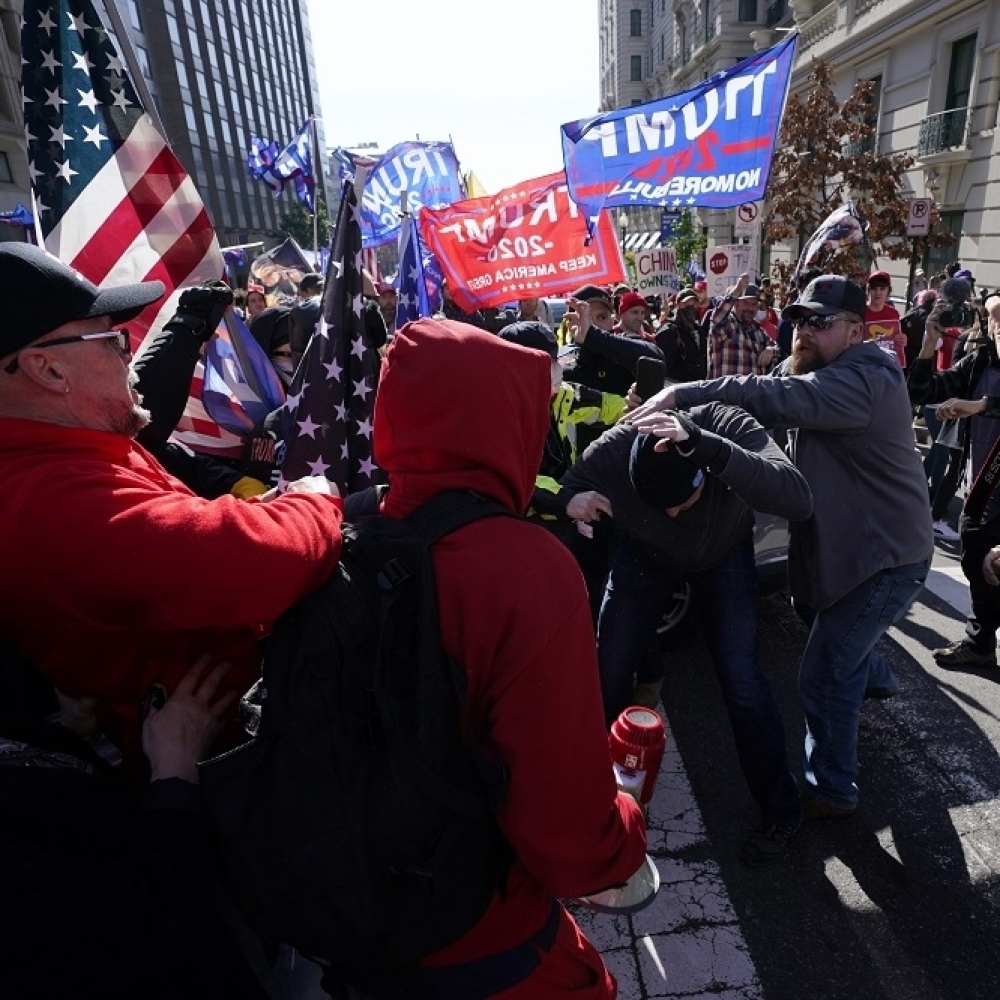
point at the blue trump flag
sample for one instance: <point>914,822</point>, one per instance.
<point>412,302</point>
<point>710,146</point>
<point>429,174</point>
<point>295,163</point>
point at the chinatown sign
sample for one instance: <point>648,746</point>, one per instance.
<point>526,241</point>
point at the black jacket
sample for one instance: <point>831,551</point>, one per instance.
<point>105,890</point>
<point>607,361</point>
<point>746,470</point>
<point>684,351</point>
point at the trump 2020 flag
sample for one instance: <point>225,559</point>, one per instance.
<point>329,412</point>
<point>113,201</point>
<point>427,171</point>
<point>240,386</point>
<point>710,146</point>
<point>412,302</point>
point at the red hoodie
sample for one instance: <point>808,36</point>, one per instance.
<point>115,575</point>
<point>461,409</point>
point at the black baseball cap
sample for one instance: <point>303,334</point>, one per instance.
<point>44,294</point>
<point>537,336</point>
<point>594,293</point>
<point>826,295</point>
<point>663,479</point>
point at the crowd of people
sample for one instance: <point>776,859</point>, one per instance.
<point>139,580</point>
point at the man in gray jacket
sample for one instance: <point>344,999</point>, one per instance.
<point>859,562</point>
<point>682,500</point>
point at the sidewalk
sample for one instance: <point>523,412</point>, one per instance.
<point>688,943</point>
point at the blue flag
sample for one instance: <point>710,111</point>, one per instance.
<point>429,174</point>
<point>260,162</point>
<point>412,302</point>
<point>710,146</point>
<point>241,386</point>
<point>295,163</point>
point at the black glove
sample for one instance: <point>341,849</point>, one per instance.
<point>201,308</point>
<point>693,433</point>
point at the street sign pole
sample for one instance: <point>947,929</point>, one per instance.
<point>918,223</point>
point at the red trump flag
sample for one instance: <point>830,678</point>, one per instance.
<point>526,241</point>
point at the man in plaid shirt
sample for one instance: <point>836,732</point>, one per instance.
<point>737,345</point>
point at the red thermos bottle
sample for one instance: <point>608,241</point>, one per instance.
<point>637,741</point>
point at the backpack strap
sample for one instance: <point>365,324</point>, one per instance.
<point>432,520</point>
<point>451,510</point>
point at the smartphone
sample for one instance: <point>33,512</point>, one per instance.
<point>650,374</point>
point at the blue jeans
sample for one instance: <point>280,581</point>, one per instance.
<point>838,663</point>
<point>635,598</point>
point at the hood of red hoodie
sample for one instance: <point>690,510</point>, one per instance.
<point>458,408</point>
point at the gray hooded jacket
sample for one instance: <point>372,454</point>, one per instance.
<point>855,446</point>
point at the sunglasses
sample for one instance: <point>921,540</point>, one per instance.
<point>123,344</point>
<point>816,323</point>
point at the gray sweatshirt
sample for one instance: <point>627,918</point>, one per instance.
<point>856,448</point>
<point>746,470</point>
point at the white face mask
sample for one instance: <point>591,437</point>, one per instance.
<point>760,314</point>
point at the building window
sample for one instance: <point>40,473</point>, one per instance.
<point>935,258</point>
<point>636,63</point>
<point>175,35</point>
<point>963,58</point>
<point>635,20</point>
<point>748,10</point>
<point>189,118</point>
<point>133,14</point>
<point>874,102</point>
<point>663,47</point>
<point>142,54</point>
<point>6,177</point>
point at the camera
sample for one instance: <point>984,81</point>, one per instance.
<point>957,315</point>
<point>953,307</point>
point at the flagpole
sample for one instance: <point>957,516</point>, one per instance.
<point>317,170</point>
<point>128,51</point>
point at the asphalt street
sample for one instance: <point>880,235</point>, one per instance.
<point>901,901</point>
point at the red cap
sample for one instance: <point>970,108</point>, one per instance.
<point>700,286</point>
<point>880,276</point>
<point>629,301</point>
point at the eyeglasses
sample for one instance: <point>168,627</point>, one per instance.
<point>816,323</point>
<point>123,345</point>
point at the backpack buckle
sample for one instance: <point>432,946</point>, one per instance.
<point>393,573</point>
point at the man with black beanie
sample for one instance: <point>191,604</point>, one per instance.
<point>682,497</point>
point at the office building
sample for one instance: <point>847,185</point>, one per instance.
<point>219,71</point>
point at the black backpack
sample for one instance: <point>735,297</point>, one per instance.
<point>358,824</point>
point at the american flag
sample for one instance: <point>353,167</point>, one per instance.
<point>330,406</point>
<point>412,302</point>
<point>112,199</point>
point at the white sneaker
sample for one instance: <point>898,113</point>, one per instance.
<point>945,531</point>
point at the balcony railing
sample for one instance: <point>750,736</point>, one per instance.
<point>777,11</point>
<point>861,147</point>
<point>947,130</point>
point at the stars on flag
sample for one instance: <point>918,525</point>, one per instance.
<point>332,429</point>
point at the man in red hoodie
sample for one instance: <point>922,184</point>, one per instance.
<point>114,575</point>
<point>458,408</point>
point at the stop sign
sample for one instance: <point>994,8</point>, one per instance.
<point>719,263</point>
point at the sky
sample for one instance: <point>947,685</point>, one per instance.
<point>497,79</point>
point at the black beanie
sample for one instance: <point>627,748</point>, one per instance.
<point>663,479</point>
<point>537,336</point>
